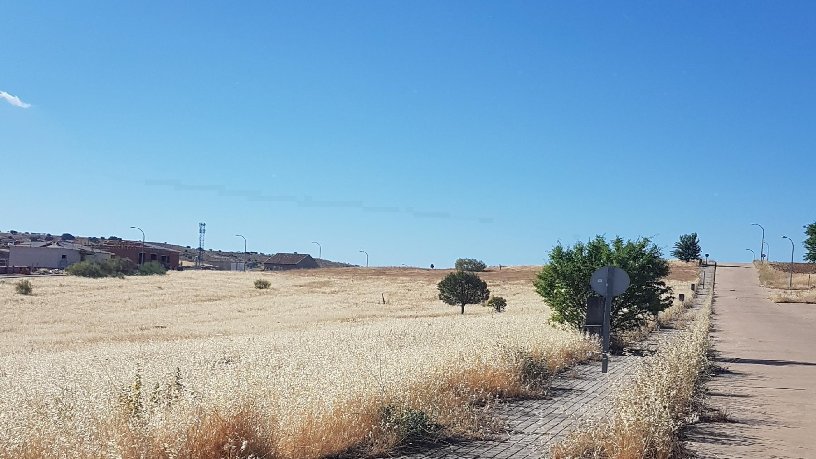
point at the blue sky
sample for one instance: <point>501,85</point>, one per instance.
<point>418,131</point>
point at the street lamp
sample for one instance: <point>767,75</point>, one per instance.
<point>319,250</point>
<point>245,251</point>
<point>142,254</point>
<point>768,252</point>
<point>363,251</point>
<point>790,283</point>
<point>752,253</point>
<point>762,245</point>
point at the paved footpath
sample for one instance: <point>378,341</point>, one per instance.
<point>768,387</point>
<point>534,426</point>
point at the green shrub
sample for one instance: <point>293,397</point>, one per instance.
<point>115,267</point>
<point>498,303</point>
<point>24,287</point>
<point>151,268</point>
<point>408,423</point>
<point>262,284</point>
<point>470,264</point>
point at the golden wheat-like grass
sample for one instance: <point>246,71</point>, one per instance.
<point>203,364</point>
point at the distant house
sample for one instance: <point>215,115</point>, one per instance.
<point>138,253</point>
<point>285,261</point>
<point>52,255</point>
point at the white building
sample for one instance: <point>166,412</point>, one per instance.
<point>52,255</point>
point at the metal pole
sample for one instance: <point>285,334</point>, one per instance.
<point>768,252</point>
<point>752,253</point>
<point>141,255</point>
<point>790,282</point>
<point>762,245</point>
<point>319,250</point>
<point>363,251</point>
<point>607,323</point>
<point>245,250</point>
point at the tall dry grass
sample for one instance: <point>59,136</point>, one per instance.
<point>648,415</point>
<point>205,365</point>
<point>777,276</point>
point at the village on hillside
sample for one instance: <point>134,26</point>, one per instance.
<point>44,253</point>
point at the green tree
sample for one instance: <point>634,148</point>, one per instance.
<point>470,264</point>
<point>564,282</point>
<point>687,248</point>
<point>462,287</point>
<point>810,243</point>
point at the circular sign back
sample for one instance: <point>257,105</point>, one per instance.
<point>609,276</point>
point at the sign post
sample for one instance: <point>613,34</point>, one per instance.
<point>609,282</point>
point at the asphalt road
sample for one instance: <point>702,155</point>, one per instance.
<point>767,387</point>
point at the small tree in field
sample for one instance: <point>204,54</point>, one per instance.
<point>687,248</point>
<point>462,287</point>
<point>810,243</point>
<point>497,303</point>
<point>470,264</point>
<point>564,283</point>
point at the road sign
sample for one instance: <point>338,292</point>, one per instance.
<point>609,282</point>
<point>603,277</point>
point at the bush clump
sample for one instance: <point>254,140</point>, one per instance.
<point>152,268</point>
<point>115,267</point>
<point>497,303</point>
<point>24,287</point>
<point>470,264</point>
<point>262,284</point>
<point>408,423</point>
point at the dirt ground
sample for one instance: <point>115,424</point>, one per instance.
<point>767,380</point>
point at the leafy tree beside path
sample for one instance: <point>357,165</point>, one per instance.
<point>564,282</point>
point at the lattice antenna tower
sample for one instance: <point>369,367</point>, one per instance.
<point>202,228</point>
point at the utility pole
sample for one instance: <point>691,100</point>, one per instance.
<point>790,282</point>
<point>762,245</point>
<point>245,250</point>
<point>142,254</point>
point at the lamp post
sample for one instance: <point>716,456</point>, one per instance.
<point>750,250</point>
<point>142,254</point>
<point>790,283</point>
<point>245,251</point>
<point>363,251</point>
<point>762,245</point>
<point>319,250</point>
<point>768,252</point>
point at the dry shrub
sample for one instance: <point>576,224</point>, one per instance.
<point>648,415</point>
<point>24,287</point>
<point>792,296</point>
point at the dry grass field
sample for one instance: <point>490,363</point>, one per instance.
<point>776,276</point>
<point>202,364</point>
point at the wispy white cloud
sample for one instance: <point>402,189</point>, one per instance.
<point>13,100</point>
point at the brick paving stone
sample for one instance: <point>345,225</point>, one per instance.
<point>534,426</point>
